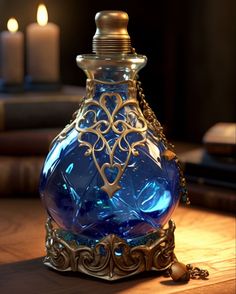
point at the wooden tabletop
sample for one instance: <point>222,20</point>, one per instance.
<point>203,238</point>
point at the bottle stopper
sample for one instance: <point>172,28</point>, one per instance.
<point>111,36</point>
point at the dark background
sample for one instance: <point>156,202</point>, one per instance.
<point>190,78</point>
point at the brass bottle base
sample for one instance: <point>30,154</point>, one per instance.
<point>112,258</point>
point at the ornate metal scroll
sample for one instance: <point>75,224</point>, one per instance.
<point>118,123</point>
<point>112,258</point>
<point>120,127</point>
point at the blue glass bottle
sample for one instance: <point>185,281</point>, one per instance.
<point>110,171</point>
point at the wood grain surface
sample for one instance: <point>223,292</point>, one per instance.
<point>203,238</point>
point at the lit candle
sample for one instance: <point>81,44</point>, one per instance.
<point>12,54</point>
<point>43,49</point>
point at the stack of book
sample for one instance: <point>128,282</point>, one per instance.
<point>210,171</point>
<point>28,123</point>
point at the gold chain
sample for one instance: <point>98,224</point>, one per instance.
<point>150,116</point>
<point>155,125</point>
<point>196,272</point>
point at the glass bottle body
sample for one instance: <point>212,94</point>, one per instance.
<point>106,173</point>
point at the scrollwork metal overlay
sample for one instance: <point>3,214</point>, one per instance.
<point>112,258</point>
<point>118,123</point>
<point>120,128</point>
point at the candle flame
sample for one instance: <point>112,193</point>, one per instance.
<point>12,25</point>
<point>42,15</point>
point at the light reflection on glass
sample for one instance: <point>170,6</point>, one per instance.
<point>70,168</point>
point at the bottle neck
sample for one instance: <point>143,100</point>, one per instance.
<point>114,73</point>
<point>111,68</point>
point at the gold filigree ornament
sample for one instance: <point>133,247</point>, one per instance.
<point>117,121</point>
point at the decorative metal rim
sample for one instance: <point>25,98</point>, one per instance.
<point>111,258</point>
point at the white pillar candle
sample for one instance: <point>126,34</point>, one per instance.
<point>43,49</point>
<point>12,54</point>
